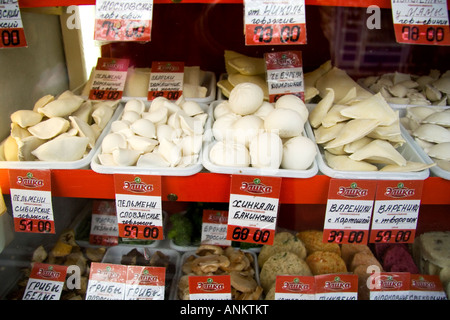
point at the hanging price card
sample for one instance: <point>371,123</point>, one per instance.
<point>209,287</point>
<point>274,22</point>
<point>421,22</point>
<point>253,208</point>
<point>109,79</point>
<point>11,27</point>
<point>104,231</point>
<point>214,227</point>
<point>31,200</point>
<point>123,20</point>
<point>284,74</point>
<point>138,206</point>
<point>145,283</point>
<point>426,287</point>
<point>390,286</point>
<point>46,282</point>
<point>294,287</point>
<point>396,211</point>
<point>166,80</point>
<point>349,211</point>
<point>336,287</point>
<point>106,281</point>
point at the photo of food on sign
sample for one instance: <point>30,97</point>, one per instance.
<point>203,154</point>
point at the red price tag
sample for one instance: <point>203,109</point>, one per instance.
<point>422,34</point>
<point>166,80</point>
<point>210,287</point>
<point>13,38</point>
<point>275,34</point>
<point>12,34</point>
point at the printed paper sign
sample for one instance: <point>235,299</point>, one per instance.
<point>284,74</point>
<point>106,281</point>
<point>390,286</point>
<point>123,20</point>
<point>46,282</point>
<point>11,27</point>
<point>421,22</point>
<point>104,230</point>
<point>109,79</point>
<point>138,206</point>
<point>209,287</point>
<point>31,200</point>
<point>145,283</point>
<point>253,208</point>
<point>214,227</point>
<point>166,80</point>
<point>426,287</point>
<point>275,22</point>
<point>396,211</point>
<point>295,287</point>
<point>336,287</point>
<point>349,211</point>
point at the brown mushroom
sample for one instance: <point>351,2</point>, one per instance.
<point>207,249</point>
<point>209,264</point>
<point>242,282</point>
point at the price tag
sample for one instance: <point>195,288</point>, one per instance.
<point>253,209</point>
<point>31,200</point>
<point>294,287</point>
<point>396,211</point>
<point>214,227</point>
<point>209,287</point>
<point>389,286</point>
<point>11,27</point>
<point>138,206</point>
<point>166,80</point>
<point>104,231</point>
<point>426,287</point>
<point>349,211</point>
<point>336,287</point>
<point>276,22</point>
<point>284,74</point>
<point>421,22</point>
<point>46,282</point>
<point>123,20</point>
<point>106,281</point>
<point>109,79</point>
<point>145,283</point>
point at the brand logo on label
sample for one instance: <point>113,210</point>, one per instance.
<point>399,192</point>
<point>337,284</point>
<point>137,186</point>
<point>49,273</point>
<point>30,182</point>
<point>210,286</point>
<point>423,284</point>
<point>217,217</point>
<point>145,277</point>
<point>353,191</point>
<point>168,67</point>
<point>390,283</point>
<point>295,286</point>
<point>255,187</point>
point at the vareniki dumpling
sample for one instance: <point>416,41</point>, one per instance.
<point>68,148</point>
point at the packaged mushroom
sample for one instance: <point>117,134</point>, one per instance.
<point>251,135</point>
<point>363,137</point>
<point>61,132</point>
<point>242,267</point>
<point>164,138</point>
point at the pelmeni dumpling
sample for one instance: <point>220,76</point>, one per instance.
<point>142,144</point>
<point>144,127</point>
<point>68,148</point>
<point>113,141</point>
<point>125,156</point>
<point>49,128</point>
<point>158,116</point>
<point>26,118</point>
<point>135,105</point>
<point>298,153</point>
<point>266,150</point>
<point>152,160</point>
<point>170,152</point>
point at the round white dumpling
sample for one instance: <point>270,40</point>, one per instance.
<point>298,153</point>
<point>266,151</point>
<point>247,127</point>
<point>265,108</point>
<point>222,127</point>
<point>245,98</point>
<point>290,101</point>
<point>229,154</point>
<point>288,123</point>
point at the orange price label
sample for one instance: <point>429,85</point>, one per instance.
<point>31,201</point>
<point>210,287</point>
<point>12,34</point>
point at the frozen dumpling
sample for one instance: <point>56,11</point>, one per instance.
<point>266,150</point>
<point>379,151</point>
<point>229,154</point>
<point>26,118</point>
<point>61,107</point>
<point>246,98</point>
<point>68,148</point>
<point>344,163</point>
<point>298,153</point>
<point>288,123</point>
<point>352,130</point>
<point>49,128</point>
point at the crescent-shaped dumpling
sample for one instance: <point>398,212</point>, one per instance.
<point>26,146</point>
<point>432,133</point>
<point>61,107</point>
<point>334,115</point>
<point>379,151</point>
<point>126,157</point>
<point>411,166</point>
<point>142,144</point>
<point>113,141</point>
<point>144,127</point>
<point>324,134</point>
<point>170,152</point>
<point>353,130</point>
<point>135,105</point>
<point>152,160</point>
<point>344,163</point>
<point>321,109</point>
<point>158,116</point>
<point>49,128</point>
<point>84,130</point>
<point>102,114</point>
<point>26,118</point>
<point>68,148</point>
<point>440,151</point>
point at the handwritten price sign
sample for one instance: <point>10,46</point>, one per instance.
<point>12,34</point>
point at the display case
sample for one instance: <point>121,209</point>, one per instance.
<point>198,33</point>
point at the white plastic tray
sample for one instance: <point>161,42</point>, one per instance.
<point>187,254</point>
<point>171,171</point>
<point>209,82</point>
<point>407,151</point>
<point>78,164</point>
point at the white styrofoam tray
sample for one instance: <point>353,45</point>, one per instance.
<point>187,254</point>
<point>209,82</point>
<point>406,150</point>
<point>435,170</point>
<point>78,164</point>
<point>170,171</point>
<point>286,173</point>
